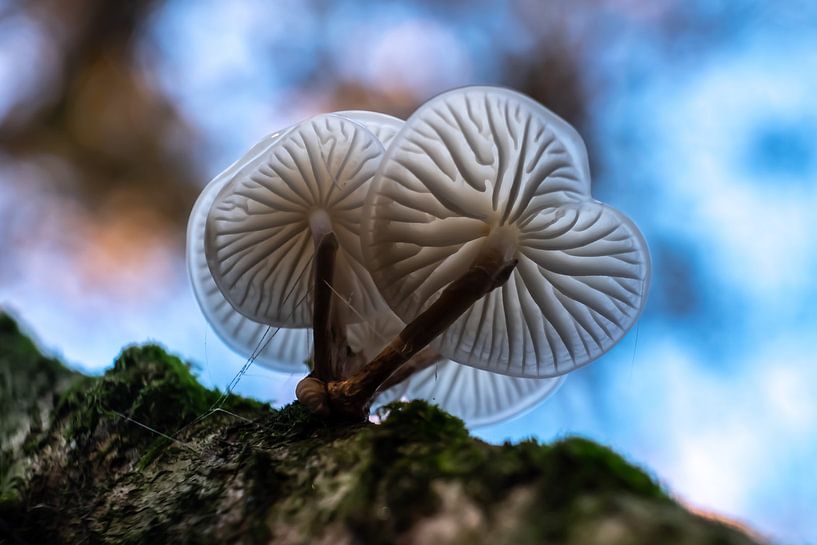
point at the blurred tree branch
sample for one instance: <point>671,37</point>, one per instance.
<point>117,138</point>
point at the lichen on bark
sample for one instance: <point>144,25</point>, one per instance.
<point>126,458</point>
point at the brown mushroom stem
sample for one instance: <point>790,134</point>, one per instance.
<point>352,396</point>
<point>329,333</point>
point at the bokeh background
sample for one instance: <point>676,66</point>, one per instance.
<point>701,122</point>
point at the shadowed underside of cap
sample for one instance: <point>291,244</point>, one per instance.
<point>258,241</point>
<point>472,161</point>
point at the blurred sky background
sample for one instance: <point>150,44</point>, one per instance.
<point>701,121</point>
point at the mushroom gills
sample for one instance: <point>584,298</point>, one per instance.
<point>281,349</point>
<point>258,240</point>
<point>477,160</point>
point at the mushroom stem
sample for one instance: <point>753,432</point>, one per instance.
<point>329,334</point>
<point>491,269</point>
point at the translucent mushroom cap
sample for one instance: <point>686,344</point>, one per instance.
<point>283,350</point>
<point>478,397</point>
<point>479,160</point>
<point>259,237</point>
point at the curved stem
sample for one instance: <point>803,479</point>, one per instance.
<point>353,396</point>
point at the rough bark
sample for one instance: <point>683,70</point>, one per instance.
<point>78,464</point>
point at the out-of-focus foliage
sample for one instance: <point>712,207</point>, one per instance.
<point>95,155</point>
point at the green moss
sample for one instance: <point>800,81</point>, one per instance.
<point>11,480</point>
<point>294,421</point>
<point>419,420</point>
<point>398,460</point>
<point>595,469</point>
<point>571,472</point>
<point>147,394</point>
<point>20,359</point>
<point>419,444</point>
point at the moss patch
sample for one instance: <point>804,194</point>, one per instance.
<point>145,388</point>
<point>419,446</point>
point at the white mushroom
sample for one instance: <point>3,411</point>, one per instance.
<point>480,233</point>
<point>482,178</point>
<point>288,349</point>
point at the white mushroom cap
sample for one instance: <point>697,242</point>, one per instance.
<point>476,396</point>
<point>285,349</point>
<point>259,235</point>
<point>282,350</point>
<point>482,160</point>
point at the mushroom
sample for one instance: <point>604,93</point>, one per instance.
<point>478,397</point>
<point>285,229</point>
<point>282,349</point>
<point>481,234</point>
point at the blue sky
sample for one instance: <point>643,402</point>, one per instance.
<point>702,122</point>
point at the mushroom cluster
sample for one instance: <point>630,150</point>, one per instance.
<point>457,256</point>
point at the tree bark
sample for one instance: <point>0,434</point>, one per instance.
<point>145,454</point>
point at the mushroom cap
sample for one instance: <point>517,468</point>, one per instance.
<point>258,241</point>
<point>478,397</point>
<point>283,350</point>
<point>477,159</point>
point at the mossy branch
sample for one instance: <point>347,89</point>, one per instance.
<point>126,458</point>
